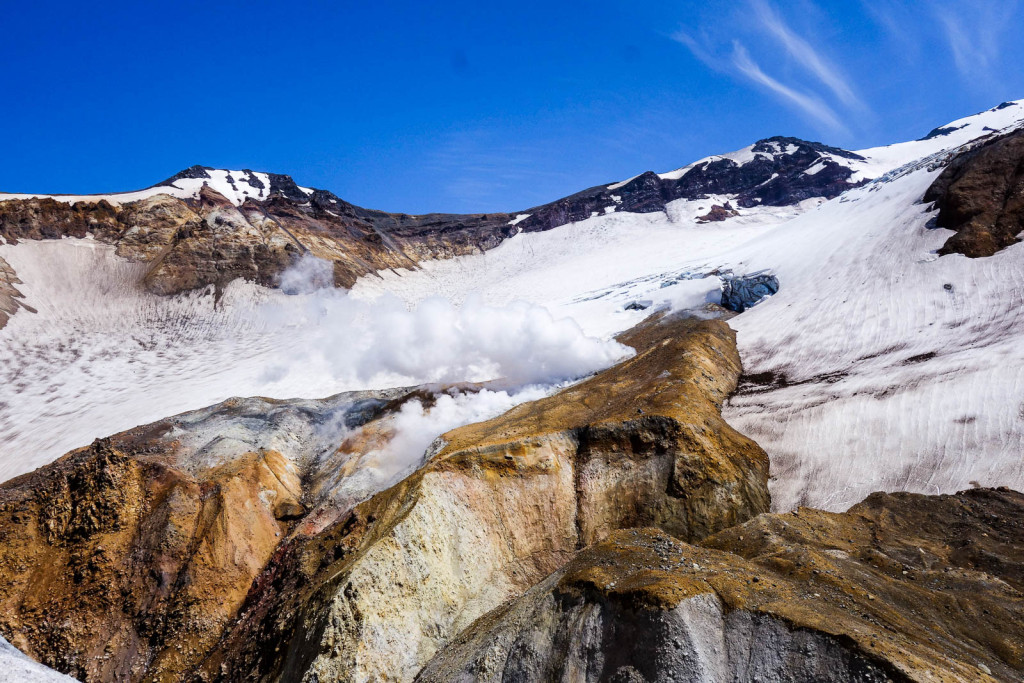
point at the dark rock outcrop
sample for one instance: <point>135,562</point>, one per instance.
<point>901,587</point>
<point>743,291</point>
<point>718,213</point>
<point>775,176</point>
<point>10,297</point>
<point>980,195</point>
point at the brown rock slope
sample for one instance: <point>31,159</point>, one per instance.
<point>126,560</point>
<point>902,587</point>
<point>374,595</point>
<point>207,240</point>
<point>126,568</point>
<point>980,195</point>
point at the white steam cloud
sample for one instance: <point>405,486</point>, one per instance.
<point>382,343</point>
<point>101,356</point>
<point>414,429</point>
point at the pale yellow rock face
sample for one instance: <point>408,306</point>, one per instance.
<point>445,563</point>
<point>152,225</point>
<point>468,543</point>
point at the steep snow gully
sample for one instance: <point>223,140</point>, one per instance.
<point>870,361</point>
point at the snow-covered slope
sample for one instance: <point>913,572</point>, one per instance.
<point>101,355</point>
<point>16,667</point>
<point>879,365</point>
<point>593,270</point>
<point>876,366</point>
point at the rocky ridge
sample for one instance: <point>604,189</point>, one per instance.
<point>777,171</point>
<point>194,239</point>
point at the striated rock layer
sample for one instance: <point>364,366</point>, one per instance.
<point>902,587</point>
<point>9,294</point>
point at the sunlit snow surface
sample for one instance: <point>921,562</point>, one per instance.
<point>878,365</point>
<point>100,356</point>
<point>905,371</point>
<point>881,365</point>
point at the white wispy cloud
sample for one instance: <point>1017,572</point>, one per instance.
<point>975,33</point>
<point>697,47</point>
<point>810,105</point>
<point>804,54</point>
<point>718,46</point>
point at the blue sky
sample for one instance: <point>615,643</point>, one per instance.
<point>470,106</point>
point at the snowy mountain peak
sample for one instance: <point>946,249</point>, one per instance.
<point>237,186</point>
<point>767,151</point>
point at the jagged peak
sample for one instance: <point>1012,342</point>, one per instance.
<point>766,145</point>
<point>237,185</point>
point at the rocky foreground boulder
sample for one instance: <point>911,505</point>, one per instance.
<point>902,587</point>
<point>980,196</point>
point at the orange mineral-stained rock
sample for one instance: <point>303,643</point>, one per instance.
<point>117,567</point>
